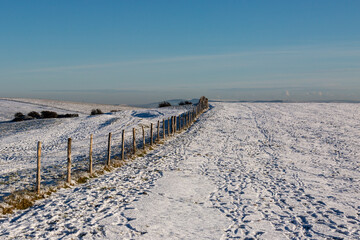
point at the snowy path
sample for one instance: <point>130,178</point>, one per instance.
<point>255,171</point>
<point>179,207</point>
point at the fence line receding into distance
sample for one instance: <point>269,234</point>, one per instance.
<point>169,128</point>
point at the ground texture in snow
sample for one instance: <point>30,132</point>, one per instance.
<point>263,171</point>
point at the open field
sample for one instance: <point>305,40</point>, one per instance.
<point>243,170</point>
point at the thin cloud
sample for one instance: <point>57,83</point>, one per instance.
<point>91,91</point>
<point>161,60</point>
<point>292,51</point>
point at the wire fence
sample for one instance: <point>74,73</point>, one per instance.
<point>123,147</point>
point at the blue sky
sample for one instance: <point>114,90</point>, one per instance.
<point>146,51</point>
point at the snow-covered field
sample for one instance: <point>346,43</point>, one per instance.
<point>243,170</point>
<point>18,140</point>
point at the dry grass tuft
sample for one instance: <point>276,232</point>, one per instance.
<point>20,200</point>
<point>118,163</point>
<point>82,180</point>
<point>107,168</point>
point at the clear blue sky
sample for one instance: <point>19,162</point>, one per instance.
<point>146,51</point>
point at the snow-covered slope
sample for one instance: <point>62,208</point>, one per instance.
<point>249,170</point>
<point>18,140</point>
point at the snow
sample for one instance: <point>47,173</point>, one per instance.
<point>18,140</point>
<point>243,170</point>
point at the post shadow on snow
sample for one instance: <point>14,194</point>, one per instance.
<point>108,122</point>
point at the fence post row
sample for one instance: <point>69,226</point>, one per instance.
<point>174,124</point>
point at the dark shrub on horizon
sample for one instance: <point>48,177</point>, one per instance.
<point>48,114</point>
<point>68,115</point>
<point>34,114</point>
<point>96,111</point>
<point>182,103</point>
<point>18,117</point>
<point>164,104</point>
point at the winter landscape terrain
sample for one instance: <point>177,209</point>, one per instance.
<point>242,171</point>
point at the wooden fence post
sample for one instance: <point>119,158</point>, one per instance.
<point>177,123</point>
<point>181,124</point>
<point>38,176</point>
<point>90,155</point>
<point>189,118</point>
<point>168,126</point>
<point>171,125</point>
<point>68,180</point>
<point>174,124</point>
<point>164,129</point>
<point>109,151</point>
<point>180,127</point>
<point>143,132</point>
<point>158,131</point>
<point>151,134</point>
<point>123,145</point>
<point>134,141</point>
